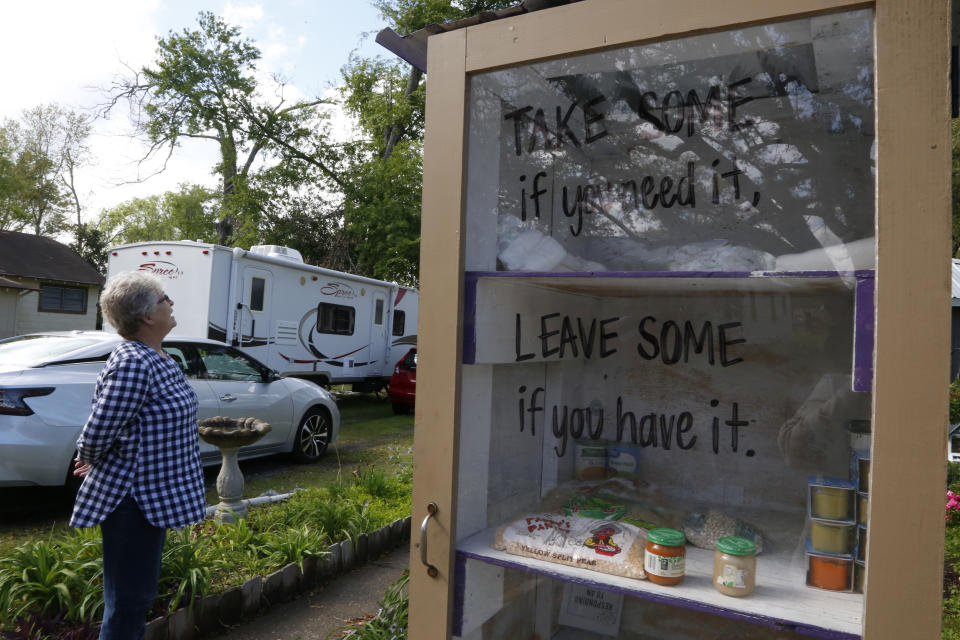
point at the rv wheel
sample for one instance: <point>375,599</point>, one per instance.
<point>313,435</point>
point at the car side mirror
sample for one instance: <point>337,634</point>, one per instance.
<point>270,375</point>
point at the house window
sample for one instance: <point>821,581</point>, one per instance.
<point>60,299</point>
<point>378,312</point>
<point>335,318</point>
<point>257,288</point>
<point>399,319</point>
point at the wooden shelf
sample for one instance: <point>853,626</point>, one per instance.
<point>781,598</point>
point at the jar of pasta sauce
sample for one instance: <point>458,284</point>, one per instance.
<point>664,556</point>
<point>735,566</point>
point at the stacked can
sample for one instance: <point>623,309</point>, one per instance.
<point>837,511</point>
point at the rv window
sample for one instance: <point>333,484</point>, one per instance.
<point>398,321</point>
<point>378,312</point>
<point>335,318</point>
<point>257,289</point>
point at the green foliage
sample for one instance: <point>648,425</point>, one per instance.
<point>54,577</point>
<point>376,93</point>
<point>38,156</point>
<point>91,244</point>
<point>390,623</point>
<point>286,544</point>
<point>184,569</point>
<point>953,476</point>
<point>188,214</point>
<point>407,16</point>
<point>383,222</point>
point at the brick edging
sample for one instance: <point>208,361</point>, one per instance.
<point>217,611</point>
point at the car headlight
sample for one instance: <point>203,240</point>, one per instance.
<point>11,400</point>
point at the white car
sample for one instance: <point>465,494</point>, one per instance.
<point>47,382</point>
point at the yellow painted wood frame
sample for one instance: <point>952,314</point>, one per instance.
<point>905,551</point>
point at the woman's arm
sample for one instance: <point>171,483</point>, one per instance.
<point>121,392</point>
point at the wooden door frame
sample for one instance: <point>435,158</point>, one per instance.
<point>905,552</point>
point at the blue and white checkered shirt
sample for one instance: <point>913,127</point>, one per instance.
<point>142,441</point>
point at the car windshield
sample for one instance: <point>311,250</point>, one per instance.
<point>31,350</point>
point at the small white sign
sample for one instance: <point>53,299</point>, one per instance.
<point>591,609</point>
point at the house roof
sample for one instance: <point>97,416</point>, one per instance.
<point>413,47</point>
<point>26,255</point>
<point>12,284</point>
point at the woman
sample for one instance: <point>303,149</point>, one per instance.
<point>138,453</point>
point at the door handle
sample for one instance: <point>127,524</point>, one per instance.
<point>227,397</point>
<point>431,511</point>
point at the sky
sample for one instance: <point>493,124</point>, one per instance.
<point>69,52</point>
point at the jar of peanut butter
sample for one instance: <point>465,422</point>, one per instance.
<point>735,566</point>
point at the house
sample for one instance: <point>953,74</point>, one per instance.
<point>44,286</point>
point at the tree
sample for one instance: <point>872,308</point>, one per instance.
<point>383,169</point>
<point>12,216</point>
<point>188,214</point>
<point>90,243</point>
<point>50,145</point>
<point>38,156</point>
<point>203,85</point>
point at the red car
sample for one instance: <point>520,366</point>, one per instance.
<point>403,383</point>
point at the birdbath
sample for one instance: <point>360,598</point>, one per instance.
<point>228,435</point>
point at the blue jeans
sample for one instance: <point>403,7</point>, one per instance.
<point>131,568</point>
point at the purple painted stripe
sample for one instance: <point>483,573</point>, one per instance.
<point>859,273</point>
<point>470,318</point>
<point>695,605</point>
<point>459,591</point>
<point>863,335</point>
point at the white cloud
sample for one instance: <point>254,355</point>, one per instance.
<point>79,47</point>
<point>244,16</point>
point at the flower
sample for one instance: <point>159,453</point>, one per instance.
<point>953,504</point>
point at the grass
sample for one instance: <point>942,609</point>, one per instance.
<point>369,435</point>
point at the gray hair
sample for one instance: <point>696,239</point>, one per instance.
<point>127,297</point>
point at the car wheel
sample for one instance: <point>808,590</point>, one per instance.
<point>313,436</point>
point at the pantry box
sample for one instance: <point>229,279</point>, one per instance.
<point>684,266</point>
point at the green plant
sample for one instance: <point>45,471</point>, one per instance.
<point>390,623</point>
<point>376,482</point>
<point>53,578</point>
<point>953,476</point>
<point>184,569</point>
<point>292,544</point>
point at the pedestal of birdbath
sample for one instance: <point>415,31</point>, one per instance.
<point>228,435</point>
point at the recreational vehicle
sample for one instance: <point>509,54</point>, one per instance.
<point>304,321</point>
